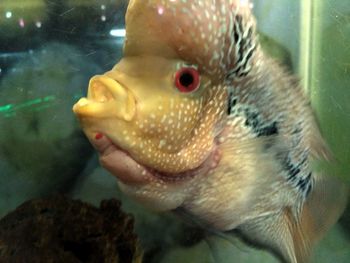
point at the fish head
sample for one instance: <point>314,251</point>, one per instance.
<point>165,102</point>
<point>162,112</point>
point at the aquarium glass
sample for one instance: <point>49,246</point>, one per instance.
<point>49,49</point>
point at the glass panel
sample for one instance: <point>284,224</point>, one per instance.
<point>49,49</point>
<point>329,75</point>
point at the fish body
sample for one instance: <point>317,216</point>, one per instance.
<point>195,117</point>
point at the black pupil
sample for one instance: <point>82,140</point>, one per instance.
<point>186,79</point>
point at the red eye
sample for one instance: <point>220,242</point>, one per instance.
<point>187,79</point>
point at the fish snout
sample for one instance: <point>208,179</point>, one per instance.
<point>106,98</point>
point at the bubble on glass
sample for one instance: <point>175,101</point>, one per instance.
<point>21,22</point>
<point>8,14</point>
<point>38,24</point>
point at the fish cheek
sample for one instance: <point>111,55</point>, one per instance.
<point>168,121</point>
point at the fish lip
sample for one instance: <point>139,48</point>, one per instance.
<point>138,174</point>
<point>99,93</point>
<point>86,108</point>
<point>147,174</point>
<point>106,98</point>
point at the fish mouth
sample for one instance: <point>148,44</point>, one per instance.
<point>129,171</point>
<point>106,98</point>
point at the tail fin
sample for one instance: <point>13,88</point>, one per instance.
<point>291,238</point>
<point>321,210</point>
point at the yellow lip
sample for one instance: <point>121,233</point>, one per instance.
<point>106,97</point>
<point>88,108</point>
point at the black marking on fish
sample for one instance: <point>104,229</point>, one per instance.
<point>297,174</point>
<point>293,158</point>
<point>237,28</point>
<point>309,185</point>
<point>245,47</point>
<point>268,130</point>
<point>292,168</point>
<point>295,163</point>
<point>232,102</point>
<point>303,183</point>
<point>259,125</point>
<point>253,119</point>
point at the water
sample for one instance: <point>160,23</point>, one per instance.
<point>49,49</point>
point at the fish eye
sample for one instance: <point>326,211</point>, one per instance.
<point>187,79</point>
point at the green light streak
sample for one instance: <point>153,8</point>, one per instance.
<point>49,98</point>
<point>41,108</point>
<point>37,104</point>
<point>29,103</point>
<point>6,107</point>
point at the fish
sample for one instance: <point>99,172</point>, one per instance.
<point>196,118</point>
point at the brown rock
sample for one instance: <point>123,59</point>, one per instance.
<point>59,229</point>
